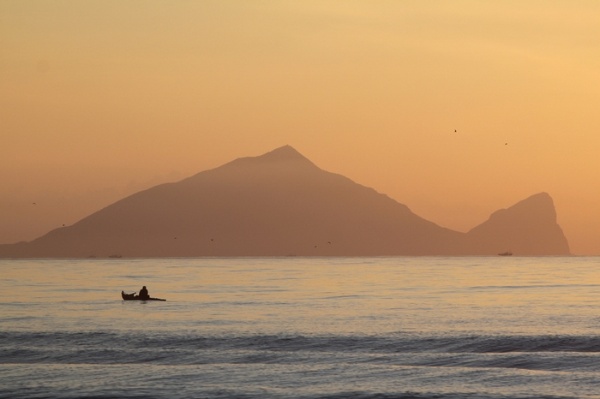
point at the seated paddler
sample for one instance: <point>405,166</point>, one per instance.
<point>144,293</point>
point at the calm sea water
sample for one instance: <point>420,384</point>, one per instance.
<point>496,327</point>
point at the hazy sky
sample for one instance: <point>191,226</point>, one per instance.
<point>99,99</point>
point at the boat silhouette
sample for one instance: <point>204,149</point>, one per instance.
<point>134,297</point>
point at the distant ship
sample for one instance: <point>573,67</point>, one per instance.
<point>507,253</point>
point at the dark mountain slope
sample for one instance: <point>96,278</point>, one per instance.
<point>276,204</point>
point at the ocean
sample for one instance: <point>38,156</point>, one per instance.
<point>295,327</point>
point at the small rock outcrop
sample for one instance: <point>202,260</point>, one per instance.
<point>527,228</point>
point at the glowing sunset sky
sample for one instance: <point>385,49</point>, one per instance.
<point>99,99</point>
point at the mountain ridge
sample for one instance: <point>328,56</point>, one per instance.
<point>278,204</point>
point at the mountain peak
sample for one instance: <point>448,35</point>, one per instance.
<point>538,206</point>
<point>542,198</point>
<point>284,153</point>
<point>284,149</point>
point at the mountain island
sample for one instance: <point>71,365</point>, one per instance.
<point>281,204</point>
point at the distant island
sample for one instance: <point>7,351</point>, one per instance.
<point>281,204</point>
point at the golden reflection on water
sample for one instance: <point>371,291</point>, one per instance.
<point>314,295</point>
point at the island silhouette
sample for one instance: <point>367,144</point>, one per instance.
<point>282,204</point>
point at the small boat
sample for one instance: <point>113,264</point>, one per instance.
<point>133,297</point>
<point>507,253</point>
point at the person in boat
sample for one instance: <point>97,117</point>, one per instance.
<point>144,293</point>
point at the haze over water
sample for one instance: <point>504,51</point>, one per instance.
<point>475,327</point>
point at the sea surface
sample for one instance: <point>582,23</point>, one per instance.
<point>390,327</point>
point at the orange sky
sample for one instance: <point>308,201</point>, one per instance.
<point>99,99</point>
